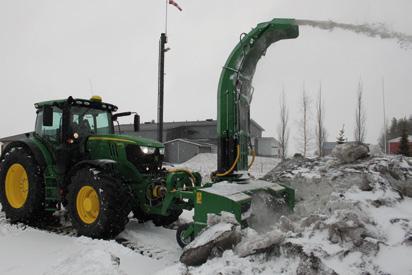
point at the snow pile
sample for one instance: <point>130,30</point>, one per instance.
<point>350,218</point>
<point>222,233</point>
<point>355,217</point>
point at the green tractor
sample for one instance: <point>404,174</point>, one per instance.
<point>74,159</point>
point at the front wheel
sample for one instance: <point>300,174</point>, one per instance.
<point>98,205</point>
<point>183,237</point>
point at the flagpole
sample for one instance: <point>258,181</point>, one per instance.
<point>161,76</point>
<point>167,5</point>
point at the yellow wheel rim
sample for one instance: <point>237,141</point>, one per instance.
<point>87,204</point>
<point>17,185</point>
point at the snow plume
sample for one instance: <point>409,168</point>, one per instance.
<point>371,30</point>
<point>266,211</point>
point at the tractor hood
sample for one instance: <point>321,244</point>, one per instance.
<point>128,140</point>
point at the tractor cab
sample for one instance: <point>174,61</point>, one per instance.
<point>66,126</point>
<point>73,120</point>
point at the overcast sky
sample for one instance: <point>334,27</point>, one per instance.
<point>53,49</point>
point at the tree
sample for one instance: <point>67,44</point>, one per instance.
<point>304,138</point>
<point>394,130</point>
<point>320,127</point>
<point>404,143</point>
<point>283,130</point>
<point>340,139</point>
<point>360,116</point>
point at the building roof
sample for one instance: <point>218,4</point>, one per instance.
<point>152,126</point>
<point>398,139</point>
<point>200,144</point>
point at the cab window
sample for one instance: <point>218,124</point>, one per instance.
<point>89,121</point>
<point>50,133</point>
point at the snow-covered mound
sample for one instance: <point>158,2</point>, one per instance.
<point>353,218</point>
<point>206,163</point>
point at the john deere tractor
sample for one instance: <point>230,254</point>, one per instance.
<point>75,160</point>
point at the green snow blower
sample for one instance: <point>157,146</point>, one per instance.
<point>74,159</point>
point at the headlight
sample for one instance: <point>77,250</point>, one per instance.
<point>147,150</point>
<point>162,151</point>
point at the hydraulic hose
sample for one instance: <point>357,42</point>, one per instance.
<point>233,165</point>
<point>253,159</point>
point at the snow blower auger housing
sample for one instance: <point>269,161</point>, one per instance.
<point>232,189</point>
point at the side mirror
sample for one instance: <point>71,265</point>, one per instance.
<point>136,123</point>
<point>47,116</point>
<point>115,116</point>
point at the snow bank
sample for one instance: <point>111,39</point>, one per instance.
<point>352,218</point>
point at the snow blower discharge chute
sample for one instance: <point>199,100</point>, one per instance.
<point>75,159</point>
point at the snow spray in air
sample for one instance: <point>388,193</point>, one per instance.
<point>266,211</point>
<point>372,30</point>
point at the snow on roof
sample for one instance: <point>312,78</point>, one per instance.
<point>398,139</point>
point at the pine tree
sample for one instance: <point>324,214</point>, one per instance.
<point>340,139</point>
<point>404,144</point>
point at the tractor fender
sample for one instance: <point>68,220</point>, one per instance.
<point>108,165</point>
<point>28,145</point>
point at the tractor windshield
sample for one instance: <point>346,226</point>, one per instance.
<point>89,121</point>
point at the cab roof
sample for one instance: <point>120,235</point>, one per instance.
<point>95,102</point>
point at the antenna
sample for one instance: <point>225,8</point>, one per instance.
<point>91,87</point>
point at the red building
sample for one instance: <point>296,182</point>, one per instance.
<point>395,143</point>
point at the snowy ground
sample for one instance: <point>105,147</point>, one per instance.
<point>349,219</point>
<point>25,250</point>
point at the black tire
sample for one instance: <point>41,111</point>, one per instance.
<point>179,235</point>
<point>159,220</point>
<point>113,203</point>
<point>32,209</point>
<point>140,215</point>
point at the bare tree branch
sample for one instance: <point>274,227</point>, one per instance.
<point>305,138</point>
<point>283,130</point>
<point>360,116</point>
<point>320,127</point>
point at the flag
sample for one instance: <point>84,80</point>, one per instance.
<point>172,2</point>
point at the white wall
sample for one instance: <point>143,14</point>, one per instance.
<point>267,147</point>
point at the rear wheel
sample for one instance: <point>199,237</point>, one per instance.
<point>22,187</point>
<point>98,204</point>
